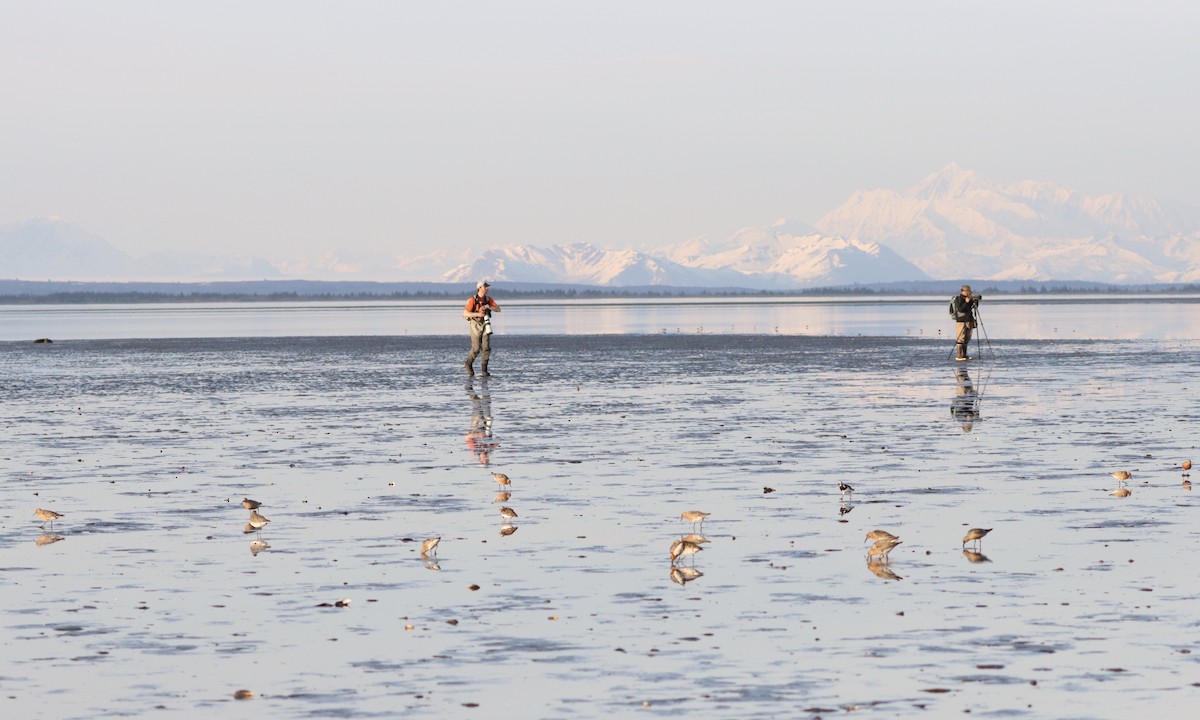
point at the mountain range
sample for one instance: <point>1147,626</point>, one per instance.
<point>953,224</point>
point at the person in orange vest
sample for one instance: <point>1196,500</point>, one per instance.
<point>478,313</point>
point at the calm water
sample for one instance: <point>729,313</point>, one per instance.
<point>147,599</point>
<point>1028,317</point>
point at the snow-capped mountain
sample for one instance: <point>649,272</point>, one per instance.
<point>956,223</point>
<point>952,225</point>
<point>586,264</point>
<point>759,258</point>
<point>778,257</point>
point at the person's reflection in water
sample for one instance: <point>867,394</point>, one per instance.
<point>479,437</point>
<point>965,406</point>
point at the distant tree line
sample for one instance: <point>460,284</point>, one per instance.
<point>95,297</point>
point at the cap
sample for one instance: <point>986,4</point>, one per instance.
<point>482,284</point>
<point>964,287</point>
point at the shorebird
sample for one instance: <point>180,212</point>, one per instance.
<point>1121,492</point>
<point>679,548</point>
<point>975,534</point>
<point>46,516</point>
<point>1121,475</point>
<point>251,504</point>
<point>880,535</point>
<point>501,479</point>
<point>1187,465</point>
<point>882,547</point>
<point>258,522</point>
<point>694,516</point>
<point>507,513</point>
<point>844,489</point>
<point>429,546</point>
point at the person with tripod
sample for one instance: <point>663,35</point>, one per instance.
<point>962,309</point>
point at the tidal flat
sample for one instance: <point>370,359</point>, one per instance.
<point>148,599</point>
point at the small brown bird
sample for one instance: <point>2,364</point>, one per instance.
<point>694,516</point>
<point>1121,475</point>
<point>429,546</point>
<point>46,516</point>
<point>251,504</point>
<point>507,513</point>
<point>880,535</point>
<point>1121,492</point>
<point>1187,465</point>
<point>975,534</point>
<point>679,548</point>
<point>258,522</point>
<point>501,479</point>
<point>881,548</point>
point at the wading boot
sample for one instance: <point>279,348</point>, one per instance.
<point>470,369</point>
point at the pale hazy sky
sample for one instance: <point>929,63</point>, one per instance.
<point>290,127</point>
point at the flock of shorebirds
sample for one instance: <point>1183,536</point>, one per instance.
<point>878,554</point>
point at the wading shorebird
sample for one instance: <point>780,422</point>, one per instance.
<point>975,534</point>
<point>46,516</point>
<point>880,535</point>
<point>507,513</point>
<point>679,548</point>
<point>251,504</point>
<point>1187,465</point>
<point>844,489</point>
<point>882,547</point>
<point>429,546</point>
<point>258,522</point>
<point>694,516</point>
<point>501,479</point>
<point>1121,475</point>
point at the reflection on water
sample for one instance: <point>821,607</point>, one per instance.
<point>1007,317</point>
<point>354,443</point>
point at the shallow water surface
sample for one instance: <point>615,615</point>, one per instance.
<point>147,597</point>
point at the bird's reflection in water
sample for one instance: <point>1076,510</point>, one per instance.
<point>684,575</point>
<point>432,564</point>
<point>507,530</point>
<point>880,570</point>
<point>257,546</point>
<point>844,508</point>
<point>975,557</point>
<point>48,539</point>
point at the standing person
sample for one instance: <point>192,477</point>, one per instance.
<point>962,309</point>
<point>478,313</point>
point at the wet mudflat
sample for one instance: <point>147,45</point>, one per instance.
<point>147,595</point>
